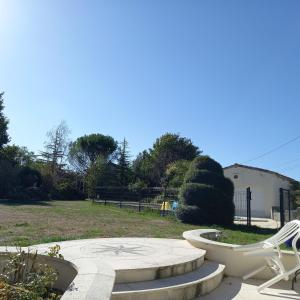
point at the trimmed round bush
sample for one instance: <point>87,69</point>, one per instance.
<point>192,193</point>
<point>228,188</point>
<point>206,177</point>
<point>191,215</point>
<point>207,163</point>
<point>206,196</point>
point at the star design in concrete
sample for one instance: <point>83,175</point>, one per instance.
<point>119,249</point>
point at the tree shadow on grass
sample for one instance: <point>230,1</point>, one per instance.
<point>11,202</point>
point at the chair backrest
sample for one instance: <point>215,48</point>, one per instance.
<point>287,232</point>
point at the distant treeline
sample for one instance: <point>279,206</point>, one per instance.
<point>66,169</point>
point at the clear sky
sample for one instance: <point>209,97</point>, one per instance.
<point>224,73</point>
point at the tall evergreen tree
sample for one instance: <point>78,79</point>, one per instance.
<point>124,164</point>
<point>4,138</point>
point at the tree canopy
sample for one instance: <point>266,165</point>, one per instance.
<point>17,156</point>
<point>4,138</point>
<point>151,165</point>
<point>86,149</point>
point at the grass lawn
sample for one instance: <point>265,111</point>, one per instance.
<point>25,224</point>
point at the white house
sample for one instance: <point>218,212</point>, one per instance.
<point>264,185</point>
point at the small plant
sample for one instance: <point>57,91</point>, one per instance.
<point>54,252</point>
<point>24,278</point>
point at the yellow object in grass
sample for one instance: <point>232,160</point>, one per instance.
<point>165,206</point>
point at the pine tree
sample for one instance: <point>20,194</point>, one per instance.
<point>124,164</point>
<point>4,138</point>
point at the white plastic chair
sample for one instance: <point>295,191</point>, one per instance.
<point>270,250</point>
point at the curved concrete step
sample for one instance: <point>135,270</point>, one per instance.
<point>182,287</point>
<point>169,269</point>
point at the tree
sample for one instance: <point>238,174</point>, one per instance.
<point>18,156</point>
<point>144,171</point>
<point>8,178</point>
<point>56,146</point>
<point>172,147</point>
<point>175,173</point>
<point>29,177</point>
<point>100,173</point>
<point>151,165</point>
<point>86,149</point>
<point>206,196</point>
<point>16,172</point>
<point>124,171</point>
<point>4,138</point>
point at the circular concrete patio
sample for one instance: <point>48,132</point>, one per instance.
<point>134,259</point>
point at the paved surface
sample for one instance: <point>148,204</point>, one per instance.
<point>235,289</point>
<point>259,222</point>
<point>128,253</point>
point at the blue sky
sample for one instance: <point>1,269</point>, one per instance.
<point>224,73</point>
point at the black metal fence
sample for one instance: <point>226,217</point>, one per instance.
<point>285,206</point>
<point>154,199</point>
<point>162,199</point>
<point>242,203</point>
<point>134,194</point>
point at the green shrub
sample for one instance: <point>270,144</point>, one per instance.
<point>206,196</point>
<point>190,193</point>
<point>29,177</point>
<point>206,177</point>
<point>206,163</point>
<point>66,191</point>
<point>32,194</point>
<point>228,188</point>
<point>193,215</point>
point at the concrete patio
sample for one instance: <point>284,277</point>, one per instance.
<point>234,288</point>
<point>160,269</point>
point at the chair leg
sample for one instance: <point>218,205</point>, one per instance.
<point>253,273</point>
<point>270,282</point>
<point>294,280</point>
<point>277,278</point>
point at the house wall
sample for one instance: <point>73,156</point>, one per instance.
<point>264,187</point>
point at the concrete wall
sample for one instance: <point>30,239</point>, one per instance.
<point>66,270</point>
<point>264,187</point>
<point>237,265</point>
<point>84,279</point>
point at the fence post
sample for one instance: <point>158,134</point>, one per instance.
<point>105,201</point>
<point>289,201</point>
<point>139,205</point>
<point>120,203</point>
<point>248,206</point>
<point>281,208</point>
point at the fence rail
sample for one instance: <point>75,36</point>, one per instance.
<point>138,205</point>
<point>128,194</point>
